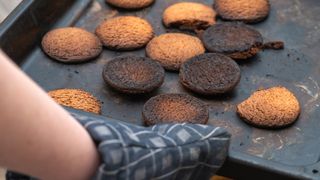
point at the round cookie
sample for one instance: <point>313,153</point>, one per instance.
<point>210,74</point>
<point>71,45</point>
<point>248,11</point>
<point>270,108</point>
<point>174,108</point>
<point>125,33</point>
<point>235,40</point>
<point>77,99</point>
<point>133,75</point>
<point>130,4</point>
<point>172,49</point>
<point>189,15</point>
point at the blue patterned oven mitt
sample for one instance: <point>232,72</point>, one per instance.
<point>168,151</point>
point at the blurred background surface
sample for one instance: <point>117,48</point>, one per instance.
<point>6,6</point>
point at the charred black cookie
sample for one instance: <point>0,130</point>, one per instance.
<point>235,40</point>
<point>210,74</point>
<point>275,45</point>
<point>133,75</point>
<point>174,108</point>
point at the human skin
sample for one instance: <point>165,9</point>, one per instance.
<point>37,136</point>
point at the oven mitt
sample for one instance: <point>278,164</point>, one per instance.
<point>168,151</point>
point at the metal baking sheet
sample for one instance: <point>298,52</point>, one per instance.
<point>289,153</point>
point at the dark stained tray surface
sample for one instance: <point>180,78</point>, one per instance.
<point>292,151</point>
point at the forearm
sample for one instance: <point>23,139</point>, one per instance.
<point>37,136</point>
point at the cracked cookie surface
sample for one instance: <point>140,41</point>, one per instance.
<point>130,4</point>
<point>189,16</point>
<point>77,99</point>
<point>248,11</point>
<point>172,49</point>
<point>275,107</point>
<point>71,45</point>
<point>125,33</point>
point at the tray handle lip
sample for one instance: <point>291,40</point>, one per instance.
<point>291,171</point>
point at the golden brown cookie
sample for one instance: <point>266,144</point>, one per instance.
<point>125,33</point>
<point>220,178</point>
<point>248,11</point>
<point>236,40</point>
<point>172,49</point>
<point>77,99</point>
<point>130,4</point>
<point>174,108</point>
<point>189,15</point>
<point>71,44</point>
<point>270,108</point>
<point>133,75</point>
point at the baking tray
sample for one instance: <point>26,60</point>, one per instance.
<point>291,153</point>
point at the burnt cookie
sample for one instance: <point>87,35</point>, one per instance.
<point>275,45</point>
<point>248,11</point>
<point>174,108</point>
<point>235,40</point>
<point>172,49</point>
<point>210,74</point>
<point>270,108</point>
<point>71,45</point>
<point>125,33</point>
<point>77,99</point>
<point>189,16</point>
<point>133,75</point>
<point>130,4</point>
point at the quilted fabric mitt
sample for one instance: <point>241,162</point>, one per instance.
<point>168,151</point>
